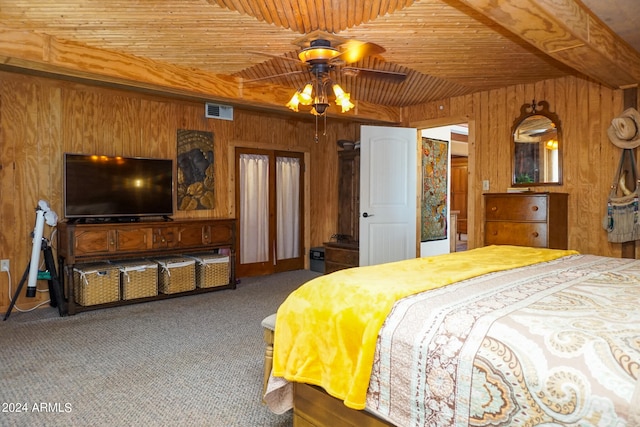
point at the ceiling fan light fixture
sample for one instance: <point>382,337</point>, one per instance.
<point>306,97</point>
<point>320,101</point>
<point>318,54</point>
<point>319,108</point>
<point>319,50</point>
<point>343,99</point>
<point>294,102</point>
<point>320,104</point>
<point>345,104</point>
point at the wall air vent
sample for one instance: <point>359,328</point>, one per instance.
<point>217,111</point>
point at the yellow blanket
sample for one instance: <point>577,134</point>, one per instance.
<point>326,330</point>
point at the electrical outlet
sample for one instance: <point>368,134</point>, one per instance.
<point>485,185</point>
<point>4,265</point>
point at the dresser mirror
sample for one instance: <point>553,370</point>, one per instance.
<point>537,146</point>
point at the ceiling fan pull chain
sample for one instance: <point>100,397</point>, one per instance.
<point>324,132</point>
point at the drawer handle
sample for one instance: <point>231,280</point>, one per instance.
<point>495,233</point>
<point>112,243</point>
<point>534,208</point>
<point>535,234</point>
<point>494,208</point>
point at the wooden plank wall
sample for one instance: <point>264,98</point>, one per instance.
<point>42,118</point>
<point>589,159</point>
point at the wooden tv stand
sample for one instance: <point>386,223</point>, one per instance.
<point>92,242</point>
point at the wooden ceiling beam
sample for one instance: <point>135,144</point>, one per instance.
<point>20,49</point>
<point>567,31</point>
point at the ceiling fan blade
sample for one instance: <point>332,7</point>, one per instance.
<point>391,76</point>
<point>274,76</point>
<point>354,51</point>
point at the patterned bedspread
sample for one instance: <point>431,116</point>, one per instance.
<point>556,343</point>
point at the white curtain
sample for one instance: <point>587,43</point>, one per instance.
<point>288,203</point>
<point>254,208</point>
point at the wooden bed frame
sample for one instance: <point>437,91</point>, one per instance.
<point>577,277</point>
<point>312,406</point>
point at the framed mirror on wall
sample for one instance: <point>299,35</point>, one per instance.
<point>536,139</point>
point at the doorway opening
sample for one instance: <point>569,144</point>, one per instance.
<point>456,132</point>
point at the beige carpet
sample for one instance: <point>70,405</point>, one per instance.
<point>193,360</point>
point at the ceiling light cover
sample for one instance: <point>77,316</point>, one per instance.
<point>319,51</point>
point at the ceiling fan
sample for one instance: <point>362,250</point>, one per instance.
<point>323,53</point>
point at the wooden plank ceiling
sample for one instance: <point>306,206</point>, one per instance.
<point>446,47</point>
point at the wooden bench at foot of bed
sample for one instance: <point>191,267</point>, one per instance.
<point>268,326</point>
<point>312,407</point>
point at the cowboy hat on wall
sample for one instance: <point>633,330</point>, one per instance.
<point>624,131</point>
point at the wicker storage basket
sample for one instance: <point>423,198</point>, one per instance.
<point>96,283</point>
<point>176,274</point>
<point>138,278</point>
<point>211,269</point>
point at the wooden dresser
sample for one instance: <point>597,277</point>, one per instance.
<point>526,219</point>
<point>338,256</point>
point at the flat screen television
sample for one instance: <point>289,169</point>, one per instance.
<point>117,188</point>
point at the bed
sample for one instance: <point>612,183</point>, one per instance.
<point>495,336</point>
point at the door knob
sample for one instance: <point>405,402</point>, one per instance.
<point>366,215</point>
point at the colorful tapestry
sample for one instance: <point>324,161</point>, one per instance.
<point>435,159</point>
<point>195,170</point>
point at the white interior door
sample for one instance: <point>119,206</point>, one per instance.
<point>388,194</point>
